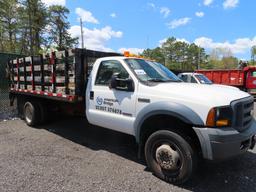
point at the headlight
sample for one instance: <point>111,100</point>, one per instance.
<point>219,117</point>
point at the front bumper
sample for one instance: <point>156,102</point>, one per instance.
<point>224,143</point>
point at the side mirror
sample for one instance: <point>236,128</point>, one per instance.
<point>113,81</point>
<point>121,84</point>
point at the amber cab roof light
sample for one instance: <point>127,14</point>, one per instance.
<point>128,54</point>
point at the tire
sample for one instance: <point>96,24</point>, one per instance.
<point>43,113</point>
<point>31,113</point>
<point>170,157</point>
<point>20,107</point>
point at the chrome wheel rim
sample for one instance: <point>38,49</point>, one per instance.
<point>28,114</point>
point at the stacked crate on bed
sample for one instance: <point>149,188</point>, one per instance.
<point>64,79</point>
<point>54,73</point>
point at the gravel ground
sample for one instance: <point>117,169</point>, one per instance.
<point>70,155</point>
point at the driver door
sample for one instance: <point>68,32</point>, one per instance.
<point>111,108</point>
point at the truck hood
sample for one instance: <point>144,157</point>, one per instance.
<point>226,86</point>
<point>211,95</point>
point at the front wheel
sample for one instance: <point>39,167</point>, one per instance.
<point>170,157</point>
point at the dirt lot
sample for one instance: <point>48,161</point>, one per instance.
<point>69,155</point>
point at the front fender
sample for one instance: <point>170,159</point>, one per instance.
<point>180,111</point>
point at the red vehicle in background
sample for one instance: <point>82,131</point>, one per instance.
<point>244,79</point>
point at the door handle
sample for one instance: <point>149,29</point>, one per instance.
<point>91,95</point>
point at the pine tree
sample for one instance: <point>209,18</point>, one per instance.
<point>58,28</point>
<point>34,20</point>
<point>8,25</point>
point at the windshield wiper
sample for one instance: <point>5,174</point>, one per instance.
<point>156,80</point>
<point>172,80</point>
<point>161,80</point>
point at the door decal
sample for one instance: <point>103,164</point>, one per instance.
<point>106,104</point>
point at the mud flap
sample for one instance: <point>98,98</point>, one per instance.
<point>12,98</point>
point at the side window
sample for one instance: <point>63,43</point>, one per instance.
<point>107,69</point>
<point>193,80</point>
<point>184,78</point>
<point>253,73</point>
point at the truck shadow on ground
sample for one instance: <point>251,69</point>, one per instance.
<point>234,175</point>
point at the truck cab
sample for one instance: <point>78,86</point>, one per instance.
<point>169,118</point>
<point>250,79</point>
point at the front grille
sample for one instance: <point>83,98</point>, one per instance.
<point>242,113</point>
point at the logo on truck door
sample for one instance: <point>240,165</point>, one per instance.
<point>99,100</point>
<point>106,104</point>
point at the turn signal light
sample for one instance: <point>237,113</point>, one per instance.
<point>219,117</point>
<point>222,122</point>
<point>210,122</point>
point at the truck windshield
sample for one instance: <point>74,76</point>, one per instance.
<point>203,79</point>
<point>151,71</point>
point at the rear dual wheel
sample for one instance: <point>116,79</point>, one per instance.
<point>170,157</point>
<point>31,113</point>
<point>34,113</point>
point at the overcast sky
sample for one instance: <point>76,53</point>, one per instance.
<point>117,25</point>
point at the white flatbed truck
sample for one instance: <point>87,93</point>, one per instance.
<point>174,123</point>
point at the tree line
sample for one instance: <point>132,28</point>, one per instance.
<point>28,27</point>
<point>184,56</point>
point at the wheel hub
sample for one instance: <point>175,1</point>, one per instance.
<point>167,158</point>
<point>28,113</point>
